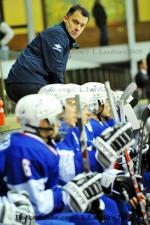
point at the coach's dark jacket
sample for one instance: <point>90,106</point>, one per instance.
<point>44,60</point>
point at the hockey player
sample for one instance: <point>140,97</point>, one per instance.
<point>70,146</point>
<point>93,163</point>
<point>69,149</point>
<point>28,163</point>
<point>70,155</point>
<point>90,128</point>
<point>99,106</point>
<point>118,136</point>
<point>28,150</point>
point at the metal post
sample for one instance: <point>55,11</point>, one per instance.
<point>30,24</point>
<point>43,5</point>
<point>131,35</point>
<point>1,11</point>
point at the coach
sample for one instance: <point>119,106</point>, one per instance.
<point>44,60</point>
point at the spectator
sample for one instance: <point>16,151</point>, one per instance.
<point>100,17</point>
<point>141,78</point>
<point>44,60</point>
<point>148,64</point>
<point>148,72</point>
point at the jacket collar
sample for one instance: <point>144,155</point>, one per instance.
<point>73,44</point>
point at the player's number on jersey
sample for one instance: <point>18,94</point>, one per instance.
<point>26,167</point>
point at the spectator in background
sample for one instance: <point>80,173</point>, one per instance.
<point>148,64</point>
<point>100,17</point>
<point>141,78</point>
<point>148,72</point>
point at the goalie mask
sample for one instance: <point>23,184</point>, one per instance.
<point>31,109</point>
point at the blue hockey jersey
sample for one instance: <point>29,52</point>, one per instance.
<point>70,152</point>
<point>98,127</point>
<point>146,180</point>
<point>27,163</point>
<point>71,163</point>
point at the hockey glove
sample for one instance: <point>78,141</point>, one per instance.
<point>16,209</point>
<point>113,141</point>
<point>83,190</point>
<point>118,183</point>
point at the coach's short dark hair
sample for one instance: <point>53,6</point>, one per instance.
<point>78,7</point>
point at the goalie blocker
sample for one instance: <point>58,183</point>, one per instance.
<point>112,143</point>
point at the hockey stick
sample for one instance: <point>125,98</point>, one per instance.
<point>145,115</point>
<point>131,117</point>
<point>147,133</point>
<point>83,143</point>
<point>112,103</point>
<point>127,156</point>
<point>126,94</point>
<point>86,165</point>
<point>128,91</point>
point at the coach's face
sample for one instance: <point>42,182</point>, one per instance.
<point>75,24</point>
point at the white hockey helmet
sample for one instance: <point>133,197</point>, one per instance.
<point>85,98</point>
<point>92,87</point>
<point>75,88</point>
<point>31,109</point>
<point>51,89</point>
<point>98,90</point>
<point>69,92</point>
<point>61,91</point>
<point>99,95</point>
